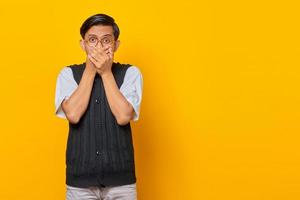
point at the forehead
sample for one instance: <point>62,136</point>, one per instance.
<point>100,30</point>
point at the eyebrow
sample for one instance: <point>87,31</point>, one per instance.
<point>108,34</point>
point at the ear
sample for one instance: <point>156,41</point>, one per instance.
<point>82,45</point>
<point>116,46</point>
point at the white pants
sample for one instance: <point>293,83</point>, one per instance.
<point>123,192</point>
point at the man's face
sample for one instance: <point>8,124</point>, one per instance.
<point>100,36</point>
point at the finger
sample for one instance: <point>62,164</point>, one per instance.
<point>107,54</point>
<point>98,52</point>
<point>99,49</point>
<point>109,50</point>
<point>93,55</point>
<point>93,60</point>
<point>104,53</point>
<point>110,54</point>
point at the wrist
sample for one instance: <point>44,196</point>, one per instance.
<point>90,73</point>
<point>106,74</point>
<point>90,69</point>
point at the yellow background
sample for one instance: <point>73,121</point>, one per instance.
<point>220,111</point>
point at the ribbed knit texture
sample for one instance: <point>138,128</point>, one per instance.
<point>99,151</point>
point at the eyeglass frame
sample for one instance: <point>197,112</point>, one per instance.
<point>100,40</point>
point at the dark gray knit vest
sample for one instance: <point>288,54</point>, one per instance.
<point>99,151</point>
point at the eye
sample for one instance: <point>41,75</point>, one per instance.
<point>92,39</point>
<point>106,40</point>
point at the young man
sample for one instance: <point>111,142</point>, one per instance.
<point>99,98</point>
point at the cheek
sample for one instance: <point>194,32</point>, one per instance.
<point>87,49</point>
<point>83,48</point>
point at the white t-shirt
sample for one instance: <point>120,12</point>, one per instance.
<point>131,89</point>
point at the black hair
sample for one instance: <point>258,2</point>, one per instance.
<point>99,19</point>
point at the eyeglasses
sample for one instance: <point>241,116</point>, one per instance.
<point>105,41</point>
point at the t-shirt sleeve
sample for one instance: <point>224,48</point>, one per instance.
<point>65,86</point>
<point>132,89</point>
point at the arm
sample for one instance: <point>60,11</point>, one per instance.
<point>102,60</point>
<point>120,107</point>
<point>75,106</point>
